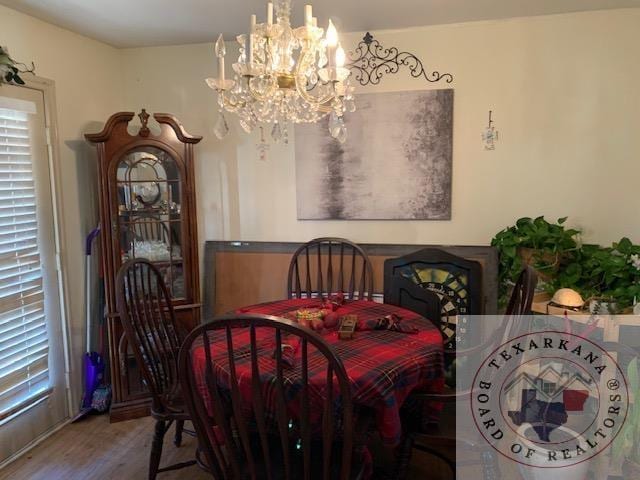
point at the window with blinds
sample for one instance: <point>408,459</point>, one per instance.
<point>24,374</point>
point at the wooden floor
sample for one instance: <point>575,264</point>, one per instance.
<point>93,448</point>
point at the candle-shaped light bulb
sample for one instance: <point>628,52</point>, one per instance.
<point>308,16</point>
<point>269,13</point>
<point>221,50</point>
<point>332,35</point>
<point>314,22</point>
<point>252,28</point>
<point>332,42</point>
<point>340,56</point>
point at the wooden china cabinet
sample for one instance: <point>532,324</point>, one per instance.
<point>147,210</point>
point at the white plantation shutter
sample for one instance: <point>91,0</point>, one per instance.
<point>24,373</point>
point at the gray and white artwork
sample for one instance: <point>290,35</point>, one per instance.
<point>395,164</point>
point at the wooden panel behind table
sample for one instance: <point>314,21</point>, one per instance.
<point>238,274</point>
<point>247,278</point>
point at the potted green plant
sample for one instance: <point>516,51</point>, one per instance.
<point>610,276</point>
<point>548,247</point>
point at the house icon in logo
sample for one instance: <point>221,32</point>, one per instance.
<point>545,398</point>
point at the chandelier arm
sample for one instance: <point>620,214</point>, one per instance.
<point>258,96</point>
<point>229,105</point>
<point>301,83</point>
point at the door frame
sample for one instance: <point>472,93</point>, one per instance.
<point>47,88</point>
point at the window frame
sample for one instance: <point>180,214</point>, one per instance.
<point>47,89</point>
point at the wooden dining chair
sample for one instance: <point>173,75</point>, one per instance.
<point>456,280</point>
<point>325,266</point>
<point>147,315</point>
<point>440,440</point>
<point>150,227</point>
<point>403,293</point>
<point>259,421</point>
<point>522,294</point>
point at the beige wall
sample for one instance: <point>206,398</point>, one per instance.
<point>88,80</point>
<point>564,90</point>
<point>171,79</point>
<point>565,94</point>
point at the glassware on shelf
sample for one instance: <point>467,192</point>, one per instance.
<point>155,250</point>
<point>149,194</point>
<point>148,179</point>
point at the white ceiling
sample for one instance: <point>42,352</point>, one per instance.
<point>135,23</point>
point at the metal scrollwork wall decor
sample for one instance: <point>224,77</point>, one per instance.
<point>371,61</point>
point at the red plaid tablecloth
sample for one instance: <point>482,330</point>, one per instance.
<point>383,366</point>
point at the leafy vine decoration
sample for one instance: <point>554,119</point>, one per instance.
<point>10,70</point>
<point>371,61</point>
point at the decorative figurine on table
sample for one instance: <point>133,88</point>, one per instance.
<point>325,316</point>
<point>347,327</point>
<point>311,318</point>
<point>568,299</point>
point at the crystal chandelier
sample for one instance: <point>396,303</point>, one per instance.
<point>284,76</point>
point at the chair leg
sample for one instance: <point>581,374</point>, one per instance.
<point>177,439</point>
<point>156,449</point>
<point>403,459</point>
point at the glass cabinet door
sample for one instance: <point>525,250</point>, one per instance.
<point>149,213</point>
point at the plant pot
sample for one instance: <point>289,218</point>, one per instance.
<point>528,257</point>
<point>566,469</point>
<point>630,469</point>
<point>602,307</point>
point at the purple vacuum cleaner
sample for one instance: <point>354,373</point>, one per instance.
<point>93,361</point>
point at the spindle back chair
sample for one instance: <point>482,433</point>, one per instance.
<point>325,266</point>
<point>241,398</point>
<point>522,295</point>
<point>149,227</point>
<point>145,309</point>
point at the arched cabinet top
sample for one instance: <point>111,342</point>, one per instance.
<point>116,127</point>
<point>181,133</point>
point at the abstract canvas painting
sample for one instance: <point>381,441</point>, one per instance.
<point>395,164</point>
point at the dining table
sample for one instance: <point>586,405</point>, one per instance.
<point>384,364</point>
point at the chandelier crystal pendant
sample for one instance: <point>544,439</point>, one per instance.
<point>284,76</point>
